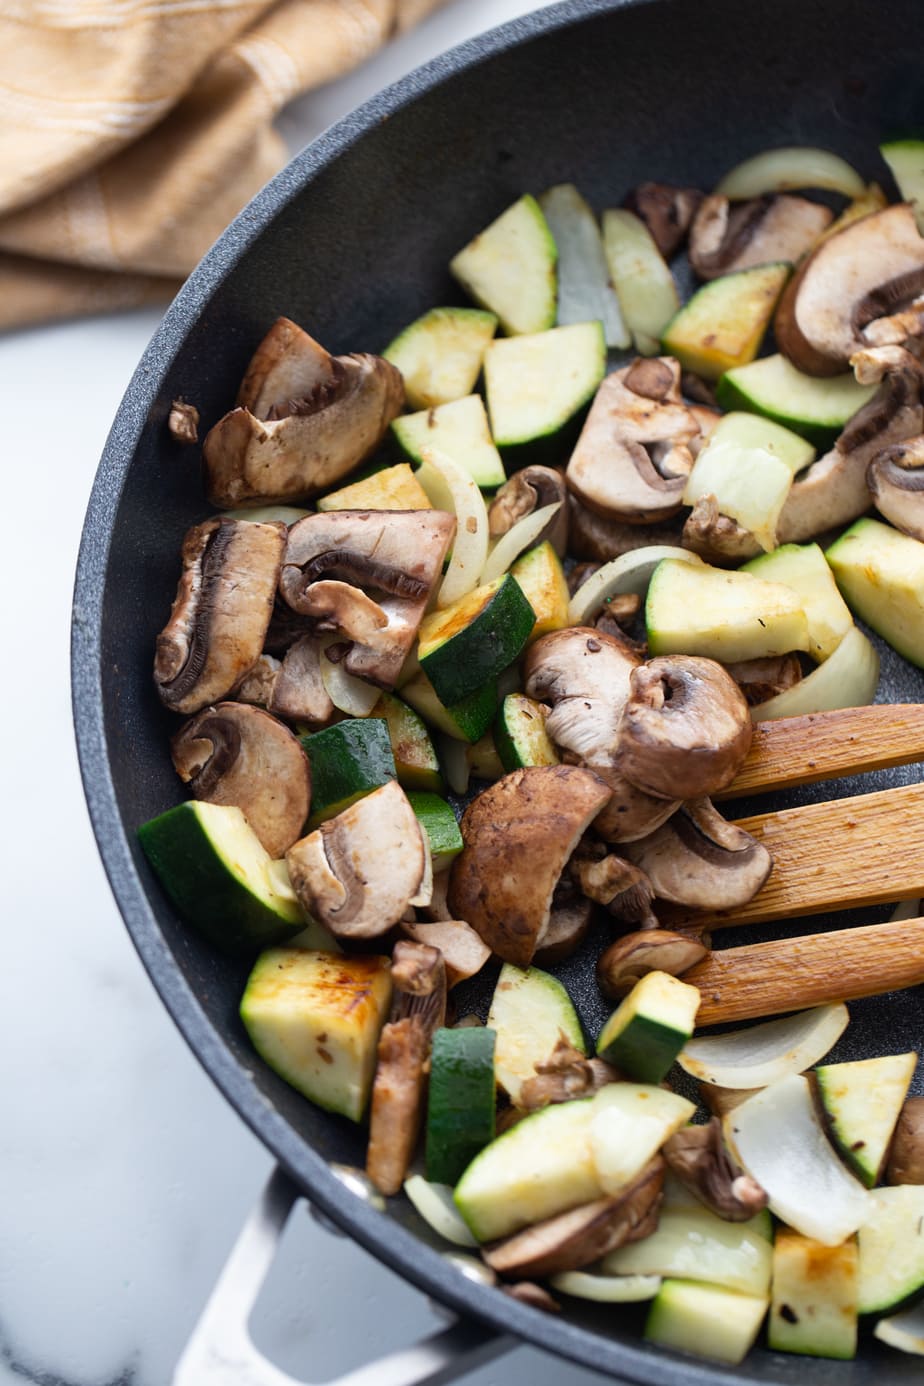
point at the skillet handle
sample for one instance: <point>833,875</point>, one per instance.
<point>220,1351</point>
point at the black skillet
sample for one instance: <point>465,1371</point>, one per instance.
<point>352,240</point>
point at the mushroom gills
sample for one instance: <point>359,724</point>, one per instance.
<point>896,482</point>
<point>700,860</point>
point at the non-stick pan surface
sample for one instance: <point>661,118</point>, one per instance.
<point>352,240</point>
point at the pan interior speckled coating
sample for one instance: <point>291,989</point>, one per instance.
<point>352,240</point>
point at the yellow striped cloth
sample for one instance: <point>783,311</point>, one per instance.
<point>132,131</point>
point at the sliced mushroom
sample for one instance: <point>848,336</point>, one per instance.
<point>727,236</point>
<point>633,454</point>
<point>519,835</point>
<point>536,1296</point>
<point>869,271</point>
<point>633,956</point>
<point>258,683</point>
<point>375,570</point>
<point>309,418</point>
<point>438,910</point>
<point>566,930</point>
<point>895,478</point>
<point>464,953</point>
<point>418,1010</point>
<point>697,1155</point>
<point>358,873</point>
<point>598,539</point>
<point>183,422</point>
<point>761,679</point>
<point>298,692</point>
<point>666,211</point>
<point>906,1156</point>
<point>623,889</point>
<point>716,537</point>
<point>237,754</point>
<point>221,612</point>
<point>528,490</point>
<point>685,728</point>
<point>585,1234</point>
<point>699,859</point>
<point>565,1075</point>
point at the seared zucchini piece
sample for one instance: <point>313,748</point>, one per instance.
<point>803,568</point>
<point>530,1010</point>
<point>459,429</point>
<point>461,1102</point>
<point>393,488</point>
<point>465,720</point>
<point>860,1103</point>
<point>815,407</point>
<point>695,609</point>
<point>469,643</point>
<point>814,1305</point>
<point>348,760</point>
<point>542,578</point>
<point>520,734</point>
<point>539,385</point>
<point>316,1018</point>
<point>438,821</point>
<point>218,875</point>
<point>706,1320</point>
<point>642,279</point>
<point>881,576</point>
<point>650,1026</point>
<point>696,1244</point>
<point>510,268</point>
<point>440,354</point>
<point>891,1244</point>
<point>416,761</point>
<point>906,161</point>
<point>630,1124</point>
<point>723,324</point>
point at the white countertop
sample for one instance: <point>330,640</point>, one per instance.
<point>126,1175</point>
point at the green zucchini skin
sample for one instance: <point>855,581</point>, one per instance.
<point>439,823</point>
<point>487,644</point>
<point>520,734</point>
<point>348,760</point>
<point>461,1105</point>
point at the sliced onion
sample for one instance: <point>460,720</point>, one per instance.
<point>758,1056</point>
<point>630,572</point>
<point>606,1289</point>
<point>795,166</point>
<point>347,693</point>
<point>521,536</point>
<point>455,763</point>
<point>584,288</point>
<point>848,678</point>
<point>908,909</point>
<point>440,476</point>
<point>904,1331</point>
<point>434,1204</point>
<point>266,514</point>
<point>778,1139</point>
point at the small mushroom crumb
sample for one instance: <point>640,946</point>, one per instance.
<point>183,422</point>
<point>565,1075</point>
<point>699,1158</point>
<point>527,1292</point>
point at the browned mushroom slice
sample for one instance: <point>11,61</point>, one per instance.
<point>622,888</point>
<point>871,270</point>
<point>565,931</point>
<point>697,1155</point>
<point>237,754</point>
<point>583,1235</point>
<point>312,419</point>
<point>183,422</point>
<point>418,1009</point>
<point>528,490</point>
<point>536,1296</point>
<point>598,539</point>
<point>298,692</point>
<point>631,458</point>
<point>633,956</point>
<point>518,835</point>
<point>666,211</point>
<point>564,1076</point>
<point>895,478</point>
<point>221,612</point>
<point>699,859</point>
<point>906,1156</point>
<point>685,728</point>
<point>761,679</point>
<point>358,872</point>
<point>258,683</point>
<point>728,236</point>
<point>464,952</point>
<point>716,537</point>
<point>389,559</point>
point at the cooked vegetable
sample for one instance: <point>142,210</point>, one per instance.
<point>467,644</point>
<point>585,292</point>
<point>460,1106</point>
<point>347,761</point>
<point>880,573</point>
<point>522,536</point>
<point>630,573</point>
<point>435,1205</point>
<point>759,1055</point>
<point>443,477</point>
<point>439,823</point>
<point>698,1245</point>
<point>630,1123</point>
<point>698,1158</point>
<point>891,1242</point>
<point>646,288</point>
<point>460,430</point>
<point>528,490</point>
<point>440,354</point>
<point>510,268</point>
<point>723,324</point>
<point>466,720</point>
<point>861,1102</point>
<point>393,488</point>
<point>606,1289</point>
<point>632,957</point>
<point>815,1289</point>
<point>538,385</point>
<point>706,1320</point>
<point>530,1010</point>
<point>803,568</point>
<point>650,1027</point>
<point>730,237</point>
<point>793,166</point>
<point>696,609</point>
<point>906,163</point>
<point>416,761</point>
<point>848,678</point>
<point>906,1158</point>
<point>520,734</point>
<point>818,409</point>
<point>698,859</point>
<point>544,585</point>
<point>904,1331</point>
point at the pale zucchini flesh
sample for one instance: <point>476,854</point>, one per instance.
<point>861,1102</point>
<point>705,1320</point>
<point>537,384</point>
<point>813,1310</point>
<point>440,354</point>
<point>891,1244</point>
<point>696,1244</point>
<point>510,268</point>
<point>803,567</point>
<point>816,407</point>
<point>880,573</point>
<point>460,429</point>
<point>530,1010</point>
<point>700,610</point>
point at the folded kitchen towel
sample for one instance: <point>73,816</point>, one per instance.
<point>132,131</point>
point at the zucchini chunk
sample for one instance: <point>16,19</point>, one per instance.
<point>630,1124</point>
<point>348,760</point>
<point>520,734</point>
<point>461,1102</point>
<point>416,761</point>
<point>892,1250</point>
<point>881,576</point>
<point>392,488</point>
<point>693,608</point>
<point>538,386</point>
<point>440,354</point>
<point>542,579</point>
<point>803,568</point>
<point>706,1320</point>
<point>814,1306</point>
<point>723,324</point>
<point>696,1244</point>
<point>465,720</point>
<point>861,1102</point>
<point>217,873</point>
<point>316,1018</point>
<point>461,430</point>
<point>438,821</point>
<point>650,1026</point>
<point>469,643</point>
<point>510,268</point>
<point>817,408</point>
<point>530,1010</point>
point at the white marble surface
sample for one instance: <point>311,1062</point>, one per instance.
<point>126,1176</point>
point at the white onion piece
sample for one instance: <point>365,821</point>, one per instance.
<point>904,1331</point>
<point>425,890</point>
<point>455,762</point>
<point>434,1204</point>
<point>795,166</point>
<point>758,1056</point>
<point>630,572</point>
<point>848,678</point>
<point>606,1289</point>
<point>347,693</point>
<point>584,288</point>
<point>521,536</point>
<point>267,514</point>
<point>438,475</point>
<point>778,1139</point>
<point>908,909</point>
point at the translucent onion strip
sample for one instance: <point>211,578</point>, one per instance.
<point>455,763</point>
<point>795,166</point>
<point>606,1289</point>
<point>778,1139</point>
<point>434,1204</point>
<point>630,572</point>
<point>758,1056</point>
<point>521,536</point>
<point>267,514</point>
<point>584,288</point>
<point>441,474</point>
<point>904,1331</point>
<point>848,678</point>
<point>347,693</point>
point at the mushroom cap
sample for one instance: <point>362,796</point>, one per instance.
<point>895,478</point>
<point>221,611</point>
<point>626,465</point>
<point>729,236</point>
<point>685,728</point>
<point>870,269</point>
<point>519,835</point>
<point>565,931</point>
<point>666,211</point>
<point>531,489</point>
<point>288,365</point>
<point>359,872</point>
<point>238,754</point>
<point>633,956</point>
<point>699,859</point>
